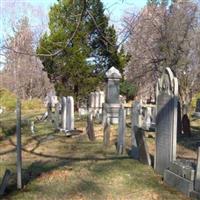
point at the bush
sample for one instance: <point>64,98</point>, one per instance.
<point>7,99</point>
<point>128,90</point>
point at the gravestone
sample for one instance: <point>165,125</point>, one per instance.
<point>136,109</point>
<point>197,177</point>
<point>121,130</point>
<point>4,182</point>
<point>143,151</point>
<point>18,148</point>
<point>70,113</point>
<point>166,121</point>
<point>186,125</point>
<point>197,109</point>
<point>179,120</point>
<point>90,127</point>
<point>106,132</point>
<point>64,113</point>
<point>112,104</point>
<point>57,116</point>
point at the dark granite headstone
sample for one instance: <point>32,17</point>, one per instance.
<point>166,121</point>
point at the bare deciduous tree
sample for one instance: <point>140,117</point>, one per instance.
<point>160,37</point>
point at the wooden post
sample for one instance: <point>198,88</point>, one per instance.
<point>18,135</point>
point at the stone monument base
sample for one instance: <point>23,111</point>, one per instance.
<point>182,184</point>
<point>112,112</point>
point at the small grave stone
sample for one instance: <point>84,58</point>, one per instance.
<point>70,113</point>
<point>197,110</point>
<point>4,182</point>
<point>106,132</point>
<point>197,178</point>
<point>144,156</point>
<point>121,130</point>
<point>57,116</point>
<point>90,127</point>
<point>64,113</point>
<point>186,125</point>
<point>136,107</point>
<point>166,121</point>
<point>33,127</point>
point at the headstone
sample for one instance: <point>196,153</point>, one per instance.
<point>64,113</point>
<point>197,177</point>
<point>166,121</point>
<point>136,107</point>
<point>90,127</point>
<point>186,125</point>
<point>4,182</point>
<point>49,110</point>
<point>18,148</point>
<point>197,110</point>
<point>101,100</point>
<point>112,104</point>
<point>32,127</point>
<point>144,156</point>
<point>57,116</point>
<point>70,113</point>
<point>179,120</point>
<point>106,132</point>
<point>121,130</point>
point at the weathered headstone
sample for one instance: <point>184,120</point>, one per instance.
<point>18,148</point>
<point>197,177</point>
<point>197,109</point>
<point>33,127</point>
<point>70,113</point>
<point>121,130</point>
<point>57,116</point>
<point>166,121</point>
<point>144,156</point>
<point>186,125</point>
<point>136,107</point>
<point>90,127</point>
<point>106,132</point>
<point>49,110</point>
<point>112,103</point>
<point>64,113</point>
<point>4,182</point>
<point>179,120</point>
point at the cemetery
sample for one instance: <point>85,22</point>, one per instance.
<point>95,110</point>
<point>67,148</point>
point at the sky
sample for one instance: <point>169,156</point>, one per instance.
<point>37,11</point>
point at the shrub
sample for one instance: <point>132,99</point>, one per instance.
<point>7,99</point>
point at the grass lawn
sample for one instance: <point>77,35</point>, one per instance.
<point>59,167</point>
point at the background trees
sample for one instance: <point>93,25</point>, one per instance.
<point>81,47</point>
<point>22,73</point>
<point>165,36</point>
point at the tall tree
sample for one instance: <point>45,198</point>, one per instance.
<point>81,46</point>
